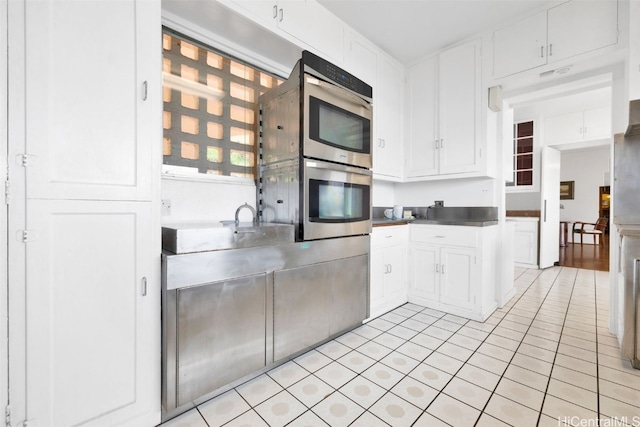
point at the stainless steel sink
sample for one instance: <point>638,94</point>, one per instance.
<point>215,236</point>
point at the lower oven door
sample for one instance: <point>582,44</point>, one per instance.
<point>337,200</point>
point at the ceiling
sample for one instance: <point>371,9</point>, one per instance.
<point>412,29</point>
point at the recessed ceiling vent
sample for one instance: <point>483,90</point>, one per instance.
<point>561,70</point>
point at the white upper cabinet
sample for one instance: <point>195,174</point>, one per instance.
<point>459,102</point>
<point>562,32</point>
<point>305,20</point>
<point>581,26</point>
<point>370,64</point>
<point>388,127</point>
<point>89,104</point>
<point>586,125</point>
<point>520,47</point>
<point>423,111</point>
<point>444,113</point>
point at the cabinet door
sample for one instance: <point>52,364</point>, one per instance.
<point>424,271</point>
<point>220,334</point>
<point>93,327</point>
<point>563,128</point>
<point>578,27</point>
<point>597,123</point>
<point>459,108</point>
<point>459,280</point>
<point>524,247</point>
<point>378,275</point>
<point>86,68</point>
<point>422,146</point>
<point>521,46</point>
<point>362,62</point>
<point>388,142</point>
<point>394,284</point>
<point>314,25</point>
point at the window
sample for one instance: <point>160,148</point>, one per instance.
<point>209,116</point>
<point>522,154</point>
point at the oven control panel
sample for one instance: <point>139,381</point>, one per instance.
<point>336,74</point>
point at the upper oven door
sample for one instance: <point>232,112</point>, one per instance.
<point>336,124</point>
<point>337,200</point>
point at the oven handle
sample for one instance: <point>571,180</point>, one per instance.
<point>337,167</point>
<point>340,92</point>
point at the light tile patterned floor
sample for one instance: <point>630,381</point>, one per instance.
<point>546,358</point>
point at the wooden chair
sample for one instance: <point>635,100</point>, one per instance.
<point>595,229</point>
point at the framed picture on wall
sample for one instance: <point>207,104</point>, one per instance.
<point>566,190</point>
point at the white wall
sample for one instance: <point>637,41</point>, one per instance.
<point>383,193</point>
<point>201,201</point>
<point>587,168</point>
<point>454,192</point>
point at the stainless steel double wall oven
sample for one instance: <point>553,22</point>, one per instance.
<point>316,152</point>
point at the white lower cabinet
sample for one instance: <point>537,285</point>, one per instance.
<point>525,242</point>
<point>452,269</point>
<point>388,285</point>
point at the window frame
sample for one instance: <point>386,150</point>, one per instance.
<point>513,186</point>
<point>177,172</point>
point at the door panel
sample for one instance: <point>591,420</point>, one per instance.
<point>83,101</point>
<point>424,277</point>
<point>87,345</point>
<point>458,279</point>
<point>550,204</point>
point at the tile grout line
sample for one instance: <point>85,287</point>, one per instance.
<point>521,341</point>
<point>595,300</point>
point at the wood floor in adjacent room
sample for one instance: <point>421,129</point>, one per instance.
<point>590,257</point>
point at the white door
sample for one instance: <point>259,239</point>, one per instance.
<point>422,147</point>
<point>84,213</point>
<point>88,135</point>
<point>88,346</point>
<point>459,101</point>
<point>577,27</point>
<point>424,271</point>
<point>521,46</point>
<point>387,129</point>
<point>378,274</point>
<point>4,380</point>
<point>550,207</point>
<point>459,278</point>
<point>394,284</point>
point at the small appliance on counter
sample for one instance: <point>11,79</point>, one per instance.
<point>626,216</point>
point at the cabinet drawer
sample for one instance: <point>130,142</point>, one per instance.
<point>389,235</point>
<point>445,235</point>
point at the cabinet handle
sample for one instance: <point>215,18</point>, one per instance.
<point>442,269</point>
<point>145,90</point>
<point>584,130</point>
<point>541,51</point>
<point>436,143</point>
<point>275,11</point>
<point>390,268</point>
<point>442,143</point>
<point>437,268</point>
<point>144,286</point>
<point>281,15</point>
<point>550,49</point>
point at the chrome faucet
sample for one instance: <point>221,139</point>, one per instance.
<point>246,206</point>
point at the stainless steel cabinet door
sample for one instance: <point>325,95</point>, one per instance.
<point>220,334</point>
<point>315,302</point>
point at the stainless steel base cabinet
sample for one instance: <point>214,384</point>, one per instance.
<point>220,334</point>
<point>315,302</point>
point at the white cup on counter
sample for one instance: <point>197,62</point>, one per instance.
<point>397,211</point>
<point>394,213</point>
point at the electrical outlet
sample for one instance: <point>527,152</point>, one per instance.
<point>166,207</point>
<point>438,203</point>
